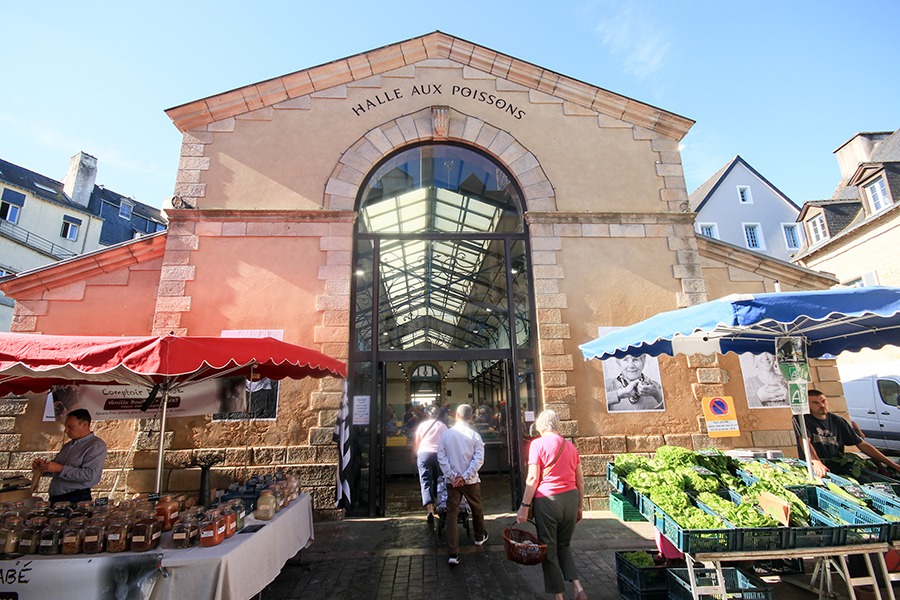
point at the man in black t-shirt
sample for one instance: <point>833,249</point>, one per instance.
<point>828,434</point>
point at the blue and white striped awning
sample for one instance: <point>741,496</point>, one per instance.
<point>832,321</point>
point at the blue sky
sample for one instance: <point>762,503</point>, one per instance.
<point>783,84</point>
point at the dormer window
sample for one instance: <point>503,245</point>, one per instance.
<point>817,231</point>
<point>744,194</point>
<point>876,194</point>
<point>125,209</point>
<point>70,227</point>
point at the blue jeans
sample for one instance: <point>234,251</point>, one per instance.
<point>429,471</point>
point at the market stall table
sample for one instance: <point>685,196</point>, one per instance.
<point>237,569</point>
<point>827,558</point>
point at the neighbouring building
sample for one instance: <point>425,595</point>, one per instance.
<point>451,221</point>
<point>739,206</point>
<point>854,233</point>
<point>43,220</point>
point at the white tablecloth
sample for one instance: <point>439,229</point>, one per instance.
<point>237,569</point>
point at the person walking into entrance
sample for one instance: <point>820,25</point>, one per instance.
<point>461,454</point>
<point>555,487</point>
<point>428,437</point>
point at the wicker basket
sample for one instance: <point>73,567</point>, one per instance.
<point>520,552</point>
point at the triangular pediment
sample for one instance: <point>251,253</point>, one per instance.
<point>436,45</point>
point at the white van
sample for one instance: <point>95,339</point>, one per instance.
<point>873,401</point>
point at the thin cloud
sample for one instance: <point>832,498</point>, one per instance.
<point>631,35</point>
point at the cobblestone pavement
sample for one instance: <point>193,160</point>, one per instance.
<point>404,558</point>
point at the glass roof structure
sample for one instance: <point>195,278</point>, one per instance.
<point>437,215</point>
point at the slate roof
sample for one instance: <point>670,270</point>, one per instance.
<point>888,150</point>
<point>839,214</point>
<point>703,193</point>
<point>39,185</point>
<point>51,190</point>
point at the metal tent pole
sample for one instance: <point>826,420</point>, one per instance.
<point>162,438</point>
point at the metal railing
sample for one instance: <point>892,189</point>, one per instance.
<point>35,242</point>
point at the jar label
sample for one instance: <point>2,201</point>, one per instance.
<point>178,536</point>
<point>25,542</point>
<point>208,533</point>
<point>113,537</point>
<point>174,514</point>
<point>90,538</point>
<point>70,539</point>
<point>137,538</point>
<point>221,529</point>
<point>155,535</point>
<point>46,542</point>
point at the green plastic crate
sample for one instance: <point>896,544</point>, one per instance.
<point>623,509</point>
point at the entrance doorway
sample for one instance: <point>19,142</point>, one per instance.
<point>441,314</point>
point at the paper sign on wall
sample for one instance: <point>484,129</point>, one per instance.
<point>721,419</point>
<point>361,410</point>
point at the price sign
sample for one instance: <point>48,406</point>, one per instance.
<point>702,470</point>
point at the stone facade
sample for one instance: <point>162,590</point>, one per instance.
<point>261,237</point>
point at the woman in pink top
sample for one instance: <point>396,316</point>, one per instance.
<point>555,486</point>
<point>428,436</point>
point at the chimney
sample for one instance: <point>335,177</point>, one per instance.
<point>858,149</point>
<point>79,181</point>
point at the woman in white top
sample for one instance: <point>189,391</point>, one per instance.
<point>428,436</point>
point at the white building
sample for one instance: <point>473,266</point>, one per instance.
<point>739,206</point>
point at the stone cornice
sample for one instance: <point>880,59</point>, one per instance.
<point>766,266</point>
<point>436,45</point>
<point>227,215</point>
<point>541,217</point>
<point>85,266</point>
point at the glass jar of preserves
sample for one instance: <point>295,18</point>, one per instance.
<point>85,508</point>
<point>142,534</point>
<point>230,519</point>
<point>30,540</point>
<point>61,509</point>
<point>117,535</point>
<point>73,536</point>
<point>237,505</point>
<point>51,536</point>
<point>265,506</point>
<point>94,536</point>
<point>212,529</point>
<point>279,497</point>
<point>40,508</point>
<point>184,532</point>
<point>167,508</point>
<point>11,534</point>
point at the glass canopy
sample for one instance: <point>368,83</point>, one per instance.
<point>440,215</point>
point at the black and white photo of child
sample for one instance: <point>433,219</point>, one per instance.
<point>633,384</point>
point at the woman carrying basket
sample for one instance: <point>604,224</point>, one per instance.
<point>555,486</point>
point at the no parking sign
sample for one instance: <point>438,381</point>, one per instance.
<point>721,420</point>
